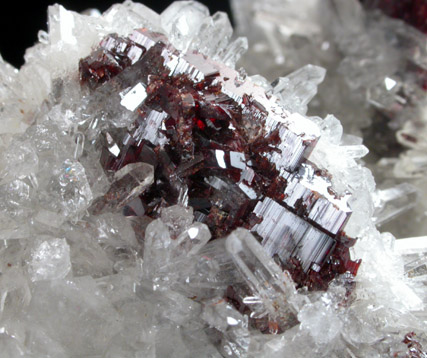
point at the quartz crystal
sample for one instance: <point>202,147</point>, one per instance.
<point>50,260</point>
<point>158,202</point>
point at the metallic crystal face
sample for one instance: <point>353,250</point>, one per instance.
<point>312,195</point>
<point>287,235</point>
<point>134,97</point>
<point>149,128</point>
<point>219,143</point>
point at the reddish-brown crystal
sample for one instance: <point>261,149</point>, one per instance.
<point>217,150</point>
<point>414,12</point>
<point>415,348</point>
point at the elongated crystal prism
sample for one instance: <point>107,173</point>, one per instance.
<point>273,287</point>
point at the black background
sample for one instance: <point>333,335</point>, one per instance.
<point>20,21</point>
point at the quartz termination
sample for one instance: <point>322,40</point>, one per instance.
<point>222,145</point>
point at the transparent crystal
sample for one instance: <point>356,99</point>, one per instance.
<point>297,89</point>
<point>129,15</point>
<point>321,321</point>
<point>129,182</point>
<point>414,254</point>
<point>87,256</point>
<point>177,218</point>
<point>355,151</point>
<point>182,20</point>
<point>18,196</point>
<point>157,247</point>
<point>50,260</point>
<point>170,306</point>
<point>68,191</point>
<point>192,239</point>
<point>393,201</point>
<point>267,281</point>
<point>234,51</point>
<point>208,274</point>
<point>18,161</point>
<point>233,327</point>
<point>213,35</point>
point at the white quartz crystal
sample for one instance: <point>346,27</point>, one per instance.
<point>50,260</point>
<point>182,20</point>
<point>298,88</point>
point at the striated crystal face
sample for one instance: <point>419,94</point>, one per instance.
<point>219,143</point>
<point>375,83</point>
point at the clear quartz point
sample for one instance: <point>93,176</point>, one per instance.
<point>394,201</point>
<point>129,182</point>
<point>50,260</point>
<point>266,280</point>
<point>298,88</point>
<point>193,238</point>
<point>234,51</point>
<point>177,218</point>
<point>213,35</point>
<point>182,20</point>
<point>157,248</point>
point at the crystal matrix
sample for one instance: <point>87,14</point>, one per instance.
<point>158,203</point>
<point>376,82</point>
<point>215,132</point>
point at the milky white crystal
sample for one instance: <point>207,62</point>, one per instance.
<point>50,260</point>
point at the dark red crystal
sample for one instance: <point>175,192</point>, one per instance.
<point>413,12</point>
<point>415,348</point>
<point>220,144</point>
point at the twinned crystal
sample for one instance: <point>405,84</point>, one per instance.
<point>157,202</point>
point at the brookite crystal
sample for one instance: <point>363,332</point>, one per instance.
<point>222,145</point>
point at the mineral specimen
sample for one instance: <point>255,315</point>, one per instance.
<point>159,203</point>
<point>208,131</point>
<point>376,81</point>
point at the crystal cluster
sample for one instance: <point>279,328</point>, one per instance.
<point>376,83</point>
<point>156,202</point>
<point>220,144</point>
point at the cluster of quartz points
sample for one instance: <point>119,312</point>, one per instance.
<point>158,203</point>
<point>376,84</point>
